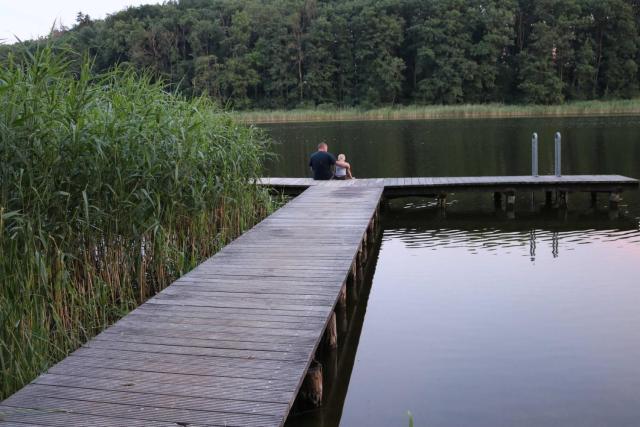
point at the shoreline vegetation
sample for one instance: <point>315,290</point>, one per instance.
<point>287,54</point>
<point>438,112</point>
<point>110,189</point>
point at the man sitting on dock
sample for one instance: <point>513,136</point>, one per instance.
<point>322,162</point>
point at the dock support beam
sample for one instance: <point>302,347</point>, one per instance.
<point>497,200</point>
<point>442,200</point>
<point>548,199</point>
<point>533,202</point>
<point>511,204</point>
<point>352,282</point>
<point>342,297</point>
<point>331,333</point>
<point>563,199</point>
<point>311,390</point>
<point>341,312</point>
<point>362,252</point>
<point>594,199</point>
<point>614,201</point>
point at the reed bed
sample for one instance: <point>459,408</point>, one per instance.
<point>110,188</point>
<point>414,112</point>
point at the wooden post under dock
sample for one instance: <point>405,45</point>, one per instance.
<point>442,200</point>
<point>614,200</point>
<point>312,387</point>
<point>331,333</point>
<point>548,198</point>
<point>563,199</point>
<point>342,297</point>
<point>511,200</point>
<point>497,200</point>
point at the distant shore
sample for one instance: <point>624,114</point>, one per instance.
<point>428,112</point>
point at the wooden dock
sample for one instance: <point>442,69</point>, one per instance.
<point>231,342</point>
<point>432,186</point>
<point>228,344</point>
<point>556,188</point>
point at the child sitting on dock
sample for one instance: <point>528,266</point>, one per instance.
<point>343,169</point>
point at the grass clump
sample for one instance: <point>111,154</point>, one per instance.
<point>110,188</point>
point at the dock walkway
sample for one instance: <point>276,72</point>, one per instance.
<point>229,343</point>
<point>427,186</point>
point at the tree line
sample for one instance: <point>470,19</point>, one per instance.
<point>340,53</point>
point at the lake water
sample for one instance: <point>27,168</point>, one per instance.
<point>473,319</point>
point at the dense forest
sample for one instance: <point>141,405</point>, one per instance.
<point>328,53</point>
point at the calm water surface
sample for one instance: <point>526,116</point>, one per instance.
<point>476,320</point>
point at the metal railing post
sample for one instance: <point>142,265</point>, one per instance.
<point>558,156</point>
<point>534,154</point>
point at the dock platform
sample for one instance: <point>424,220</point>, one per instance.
<point>431,186</point>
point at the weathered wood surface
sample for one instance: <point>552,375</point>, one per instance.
<point>428,186</point>
<point>229,343</point>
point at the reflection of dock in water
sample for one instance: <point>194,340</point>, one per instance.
<point>543,230</point>
<point>547,219</point>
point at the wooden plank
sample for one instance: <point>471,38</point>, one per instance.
<point>72,363</point>
<point>128,376</point>
<point>137,362</point>
<point>291,297</point>
<point>155,400</point>
<point>136,385</point>
<point>225,339</point>
<point>318,312</point>
<point>167,343</point>
<point>25,416</point>
<point>308,309</point>
<point>214,322</point>
<point>186,312</point>
<point>281,333</point>
<point>209,312</point>
<point>19,424</point>
<point>187,359</point>
<point>286,291</point>
<point>201,331</point>
<point>141,413</point>
<point>272,300</point>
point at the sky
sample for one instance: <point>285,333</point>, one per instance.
<point>29,19</point>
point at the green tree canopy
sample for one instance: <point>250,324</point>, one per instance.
<point>287,53</point>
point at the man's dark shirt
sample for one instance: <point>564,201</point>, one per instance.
<point>321,163</point>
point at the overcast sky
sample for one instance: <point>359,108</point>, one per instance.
<point>32,18</point>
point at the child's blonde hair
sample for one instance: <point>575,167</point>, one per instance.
<point>342,157</point>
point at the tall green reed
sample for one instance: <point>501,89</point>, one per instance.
<point>110,188</point>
